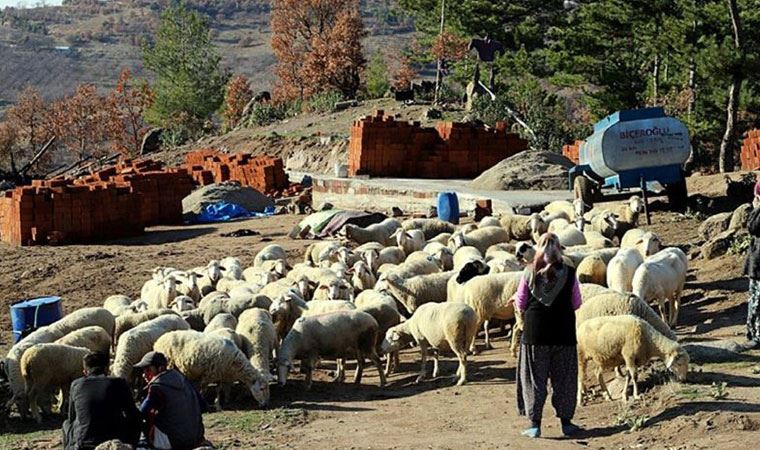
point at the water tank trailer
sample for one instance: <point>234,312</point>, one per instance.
<point>633,149</point>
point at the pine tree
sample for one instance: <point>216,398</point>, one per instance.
<point>377,76</point>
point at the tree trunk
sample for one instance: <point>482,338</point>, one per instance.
<point>726,156</point>
<point>439,64</point>
<point>656,79</point>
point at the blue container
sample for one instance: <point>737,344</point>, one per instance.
<point>448,207</point>
<point>34,313</point>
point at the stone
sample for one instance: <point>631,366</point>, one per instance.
<point>720,244</point>
<point>713,352</point>
<point>739,217</point>
<point>714,225</point>
<point>114,445</point>
<point>151,141</point>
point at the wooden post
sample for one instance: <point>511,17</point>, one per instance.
<point>645,197</point>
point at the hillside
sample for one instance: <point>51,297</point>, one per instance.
<point>54,48</point>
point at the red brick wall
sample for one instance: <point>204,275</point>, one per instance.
<point>380,146</point>
<point>263,173</point>
<point>750,155</point>
<point>572,151</point>
<point>116,202</point>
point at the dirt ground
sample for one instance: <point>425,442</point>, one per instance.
<point>696,414</point>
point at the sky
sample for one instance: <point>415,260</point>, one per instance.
<point>27,3</point>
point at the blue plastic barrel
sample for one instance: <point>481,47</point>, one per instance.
<point>34,313</point>
<point>448,207</point>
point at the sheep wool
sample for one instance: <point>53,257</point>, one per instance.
<point>135,343</point>
<point>93,338</point>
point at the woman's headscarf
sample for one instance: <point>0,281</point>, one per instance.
<point>547,275</point>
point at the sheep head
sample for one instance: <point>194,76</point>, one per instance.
<point>214,271</point>
<point>444,257</point>
<point>525,252</point>
<point>260,389</point>
<point>537,226</point>
<point>636,204</point>
<point>284,366</point>
<point>471,270</point>
<point>649,244</point>
<point>372,258</point>
<point>457,241</point>
<point>395,339</point>
<point>678,363</point>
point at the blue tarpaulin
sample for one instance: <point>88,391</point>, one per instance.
<point>225,211</point>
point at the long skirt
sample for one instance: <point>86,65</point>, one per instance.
<point>536,365</point>
<point>753,311</point>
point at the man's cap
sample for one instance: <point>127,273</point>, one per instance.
<point>155,359</point>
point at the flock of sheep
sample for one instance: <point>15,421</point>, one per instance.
<point>373,292</point>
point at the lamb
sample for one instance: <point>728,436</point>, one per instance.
<point>210,276</point>
<point>128,321</point>
<point>135,343</point>
<point>388,255</point>
<point>429,227</point>
<point>224,320</point>
<point>443,327</point>
<point>628,215</point>
<point>342,334</point>
<point>118,304</point>
<point>524,228</point>
<point>606,223</point>
<point>182,303</point>
<point>271,252</point>
<point>78,319</point>
<point>480,239</point>
<point>93,338</point>
<point>334,289</point>
<point>489,296</point>
<point>362,277</point>
<point>378,232</point>
<point>662,277</point>
<point>621,269</point>
<point>232,267</point>
<point>207,359</point>
<point>410,241</point>
<point>160,294</point>
<point>616,304</point>
<point>592,270</point>
<point>48,368</point>
<point>259,336</point>
<point>416,291</point>
<point>383,308</point>
<point>612,341</point>
<point>646,242</point>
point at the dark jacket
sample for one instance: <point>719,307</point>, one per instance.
<point>752,263</point>
<point>551,325</point>
<point>173,405</point>
<point>101,409</point>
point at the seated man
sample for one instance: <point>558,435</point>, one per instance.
<point>172,408</point>
<point>101,408</point>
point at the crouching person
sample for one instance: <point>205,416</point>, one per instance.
<point>172,408</point>
<point>101,408</point>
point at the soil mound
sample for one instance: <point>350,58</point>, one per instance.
<point>528,170</point>
<point>247,197</point>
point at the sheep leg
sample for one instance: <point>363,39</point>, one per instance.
<point>388,364</point>
<point>308,364</point>
<point>33,397</point>
<point>435,363</point>
<point>675,305</point>
<point>473,347</point>
<point>359,369</point>
<point>341,371</point>
<point>423,361</point>
<point>376,360</point>
<point>661,307</point>
<point>462,369</point>
<point>634,378</point>
<point>488,335</point>
<point>602,384</point>
<point>625,387</point>
<point>581,378</point>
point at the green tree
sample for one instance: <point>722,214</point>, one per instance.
<point>190,80</point>
<point>377,76</point>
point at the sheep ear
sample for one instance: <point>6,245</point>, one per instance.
<point>350,271</point>
<point>323,287</point>
<point>640,241</point>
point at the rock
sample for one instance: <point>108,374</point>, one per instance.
<point>739,217</point>
<point>720,244</point>
<point>151,141</point>
<point>527,170</point>
<point>432,114</point>
<point>247,197</point>
<point>340,106</point>
<point>714,225</point>
<point>713,352</point>
<point>114,445</point>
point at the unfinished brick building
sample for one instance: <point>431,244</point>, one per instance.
<point>382,147</point>
<point>266,174</point>
<point>572,151</point>
<point>750,155</point>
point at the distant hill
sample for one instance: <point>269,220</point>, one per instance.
<point>54,48</point>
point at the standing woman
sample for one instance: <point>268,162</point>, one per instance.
<point>548,296</point>
<point>752,271</point>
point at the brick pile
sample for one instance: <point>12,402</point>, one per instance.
<point>382,147</point>
<point>750,154</point>
<point>116,202</point>
<point>572,151</point>
<point>266,174</point>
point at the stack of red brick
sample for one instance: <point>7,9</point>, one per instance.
<point>383,147</point>
<point>572,151</point>
<point>750,155</point>
<point>116,202</point>
<point>264,173</point>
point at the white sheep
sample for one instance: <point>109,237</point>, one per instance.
<point>577,254</point>
<point>208,359</point>
<point>463,255</point>
<point>378,232</point>
<point>662,277</point>
<point>337,335</point>
<point>480,239</point>
<point>126,322</point>
<point>389,255</point>
<point>160,294</point>
<point>612,341</point>
<point>628,215</point>
<point>93,338</point>
<point>489,221</point>
<point>605,222</point>
<point>412,268</point>
<point>117,304</point>
<point>188,286</point>
<point>590,290</point>
<point>442,238</point>
<point>223,320</point>
<point>441,326</point>
<point>592,270</point>
<point>334,288</point>
<point>430,227</point>
<point>524,228</point>
<point>410,241</point>
<point>271,252</point>
<point>383,308</point>
<point>569,236</point>
<point>558,225</point>
<point>612,303</point>
<point>596,240</point>
<point>646,242</point>
<point>232,267</point>
<point>444,257</point>
<point>318,252</point>
<point>48,368</point>
<point>413,292</point>
<point>561,207</point>
<point>260,342</point>
<point>362,277</point>
<point>135,343</point>
<point>211,274</point>
<point>621,268</point>
<point>182,303</point>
